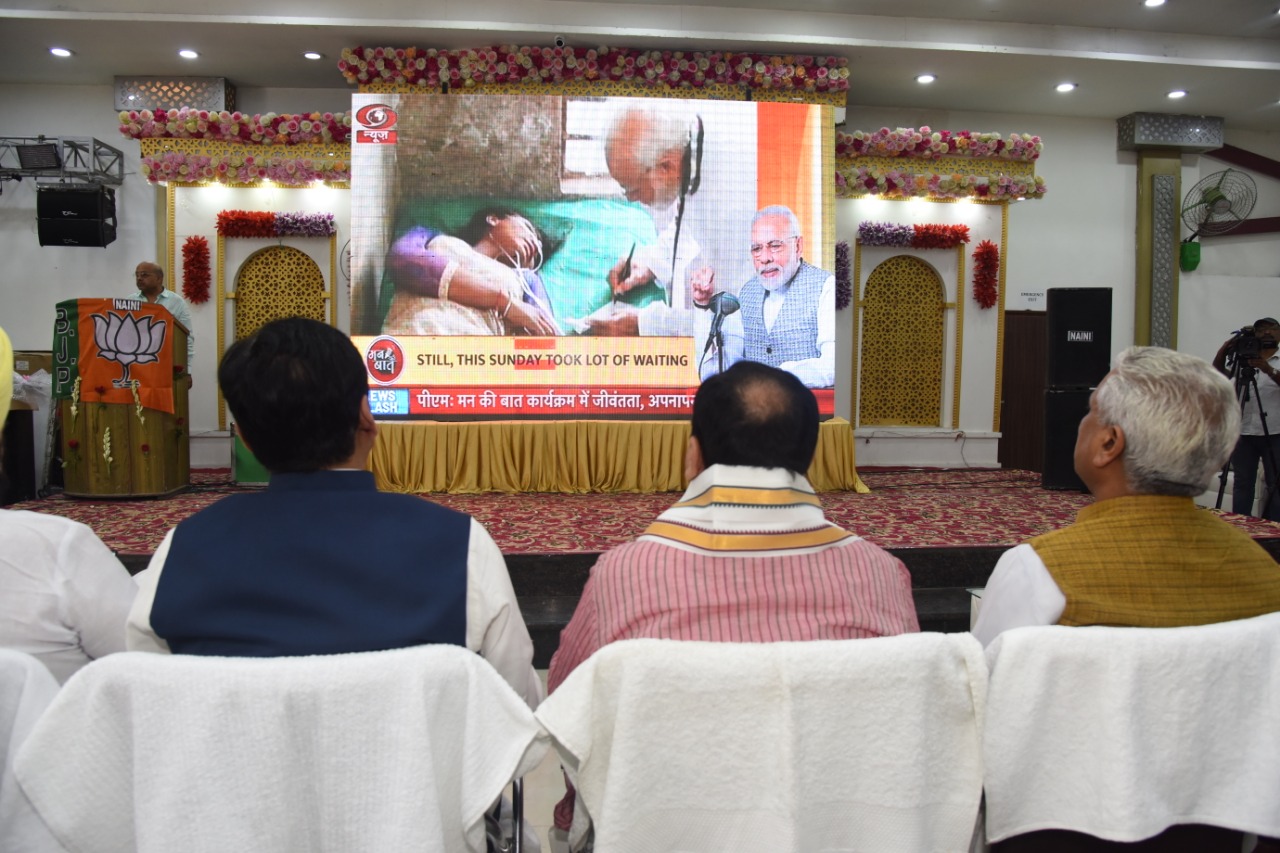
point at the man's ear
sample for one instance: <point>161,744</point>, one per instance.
<point>693,463</point>
<point>367,424</point>
<point>1108,446</point>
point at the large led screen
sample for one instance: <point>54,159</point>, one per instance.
<point>531,256</point>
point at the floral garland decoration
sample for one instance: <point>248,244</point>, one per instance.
<point>853,180</point>
<point>195,270</point>
<point>224,126</point>
<point>913,236</point>
<point>677,69</point>
<point>844,276</point>
<point>241,169</point>
<point>257,223</point>
<point>986,269</point>
<point>926,143</point>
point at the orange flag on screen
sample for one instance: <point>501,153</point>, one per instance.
<point>123,341</point>
<point>785,169</point>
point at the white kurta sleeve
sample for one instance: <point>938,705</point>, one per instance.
<point>820,372</point>
<point>495,627</point>
<point>139,636</point>
<point>1020,592</point>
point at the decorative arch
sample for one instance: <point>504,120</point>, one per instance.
<point>903,335</point>
<point>276,282</point>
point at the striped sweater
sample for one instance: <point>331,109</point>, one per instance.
<point>746,556</point>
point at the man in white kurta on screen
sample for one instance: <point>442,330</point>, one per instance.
<point>656,156</point>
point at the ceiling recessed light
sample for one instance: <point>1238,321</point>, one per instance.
<point>926,78</point>
<point>187,53</point>
<point>311,54</point>
<point>1066,87</point>
<point>1152,2</point>
<point>1178,93</point>
<point>60,51</point>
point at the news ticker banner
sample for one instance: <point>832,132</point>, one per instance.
<point>481,377</point>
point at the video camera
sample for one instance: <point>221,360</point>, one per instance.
<point>1248,345</point>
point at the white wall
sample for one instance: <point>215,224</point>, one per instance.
<point>34,279</point>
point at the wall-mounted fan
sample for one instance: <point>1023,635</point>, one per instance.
<point>1215,205</point>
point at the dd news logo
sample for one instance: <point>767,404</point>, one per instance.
<point>376,123</point>
<point>385,359</point>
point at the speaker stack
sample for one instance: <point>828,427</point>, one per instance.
<point>1079,356</point>
<point>76,215</point>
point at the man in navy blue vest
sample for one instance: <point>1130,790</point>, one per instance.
<point>788,308</point>
<point>321,562</point>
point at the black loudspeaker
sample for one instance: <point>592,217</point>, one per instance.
<point>1079,336</point>
<point>1063,411</point>
<point>76,216</point>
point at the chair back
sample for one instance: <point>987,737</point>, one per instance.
<point>390,750</point>
<point>849,745</point>
<point>26,689</point>
<point>1122,733</point>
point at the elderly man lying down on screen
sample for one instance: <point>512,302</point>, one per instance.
<point>484,281</point>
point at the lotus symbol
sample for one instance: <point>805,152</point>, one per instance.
<point>128,340</point>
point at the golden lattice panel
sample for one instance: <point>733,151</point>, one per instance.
<point>279,281</point>
<point>902,340</point>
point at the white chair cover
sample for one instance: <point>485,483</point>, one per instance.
<point>392,750</point>
<point>26,689</point>
<point>850,745</point>
<point>1123,732</point>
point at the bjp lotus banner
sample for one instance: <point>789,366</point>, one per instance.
<point>119,350</point>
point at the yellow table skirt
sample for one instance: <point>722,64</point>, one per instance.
<point>566,456</point>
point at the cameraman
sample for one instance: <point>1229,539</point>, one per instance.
<point>1254,444</point>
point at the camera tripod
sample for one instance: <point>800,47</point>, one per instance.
<point>1246,383</point>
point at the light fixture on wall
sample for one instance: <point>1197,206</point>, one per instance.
<point>1177,93</point>
<point>188,53</point>
<point>925,79</point>
<point>1066,87</point>
<point>60,52</point>
<point>311,54</point>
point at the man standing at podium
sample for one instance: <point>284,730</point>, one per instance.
<point>150,279</point>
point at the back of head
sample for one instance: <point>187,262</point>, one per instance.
<point>756,415</point>
<point>1179,416</point>
<point>294,388</point>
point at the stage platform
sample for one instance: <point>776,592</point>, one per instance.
<point>948,526</point>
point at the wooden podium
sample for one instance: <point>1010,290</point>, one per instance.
<point>120,379</point>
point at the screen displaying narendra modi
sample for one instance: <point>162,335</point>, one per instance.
<point>532,256</point>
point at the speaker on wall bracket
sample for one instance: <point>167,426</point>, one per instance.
<point>79,215</point>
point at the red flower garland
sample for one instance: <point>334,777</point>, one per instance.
<point>986,270</point>
<point>195,270</point>
<point>939,236</point>
<point>246,223</point>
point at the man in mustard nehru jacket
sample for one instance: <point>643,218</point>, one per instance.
<point>1159,426</point>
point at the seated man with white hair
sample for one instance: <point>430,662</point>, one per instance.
<point>1159,426</point>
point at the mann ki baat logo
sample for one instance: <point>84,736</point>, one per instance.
<point>128,340</point>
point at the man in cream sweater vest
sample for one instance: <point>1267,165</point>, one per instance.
<point>1159,426</point>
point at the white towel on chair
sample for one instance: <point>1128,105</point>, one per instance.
<point>393,750</point>
<point>26,689</point>
<point>1123,732</point>
<point>852,745</point>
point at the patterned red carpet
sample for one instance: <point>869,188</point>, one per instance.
<point>905,509</point>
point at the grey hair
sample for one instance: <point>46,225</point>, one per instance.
<point>658,133</point>
<point>793,222</point>
<point>1179,416</point>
